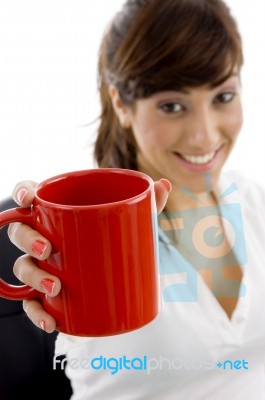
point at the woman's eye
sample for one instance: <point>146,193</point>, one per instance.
<point>171,108</point>
<point>225,97</point>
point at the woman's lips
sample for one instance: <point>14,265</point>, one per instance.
<point>198,163</point>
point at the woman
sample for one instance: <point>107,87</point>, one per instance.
<point>169,79</point>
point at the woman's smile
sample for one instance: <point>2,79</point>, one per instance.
<point>198,162</point>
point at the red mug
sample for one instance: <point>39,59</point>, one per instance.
<point>102,227</point>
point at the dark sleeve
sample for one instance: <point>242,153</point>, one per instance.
<point>26,352</point>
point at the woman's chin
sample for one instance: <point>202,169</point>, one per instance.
<point>200,183</point>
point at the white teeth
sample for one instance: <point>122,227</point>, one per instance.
<point>199,159</point>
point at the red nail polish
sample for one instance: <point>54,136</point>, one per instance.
<point>38,247</point>
<point>43,324</point>
<point>47,285</point>
<point>21,194</point>
<point>166,184</point>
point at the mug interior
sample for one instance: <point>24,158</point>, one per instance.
<point>93,187</point>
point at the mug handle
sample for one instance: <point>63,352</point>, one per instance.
<point>14,292</point>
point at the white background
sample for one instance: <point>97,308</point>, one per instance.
<point>48,94</point>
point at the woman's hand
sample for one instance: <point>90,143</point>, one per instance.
<point>35,245</point>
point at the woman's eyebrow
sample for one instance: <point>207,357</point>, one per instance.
<point>233,75</point>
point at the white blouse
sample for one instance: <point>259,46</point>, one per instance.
<point>192,350</point>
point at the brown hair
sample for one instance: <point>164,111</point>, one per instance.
<point>156,45</point>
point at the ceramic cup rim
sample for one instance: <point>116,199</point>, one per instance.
<point>123,171</point>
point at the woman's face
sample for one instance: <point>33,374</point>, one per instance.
<point>183,135</point>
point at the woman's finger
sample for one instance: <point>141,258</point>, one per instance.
<point>39,316</point>
<point>162,190</point>
<point>24,193</point>
<point>27,272</point>
<point>29,241</point>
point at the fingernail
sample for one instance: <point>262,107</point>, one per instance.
<point>43,325</point>
<point>38,247</point>
<point>166,184</point>
<point>21,194</point>
<point>48,285</point>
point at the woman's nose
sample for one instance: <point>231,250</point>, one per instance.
<point>203,131</point>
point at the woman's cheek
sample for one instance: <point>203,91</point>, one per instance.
<point>150,137</point>
<point>236,121</point>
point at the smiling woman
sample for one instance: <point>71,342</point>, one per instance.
<point>171,125</point>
